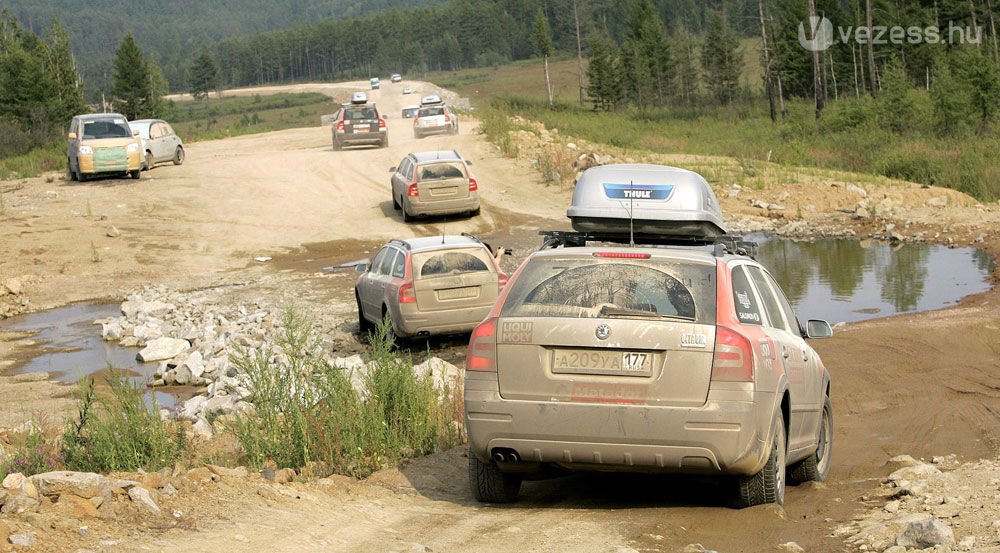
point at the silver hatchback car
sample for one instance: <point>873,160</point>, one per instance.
<point>434,183</point>
<point>159,142</point>
<point>426,286</point>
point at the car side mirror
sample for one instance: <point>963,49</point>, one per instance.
<point>71,136</point>
<point>392,169</point>
<point>818,328</point>
<point>468,162</point>
<point>135,132</point>
<point>361,267</point>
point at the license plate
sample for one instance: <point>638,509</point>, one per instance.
<point>458,293</point>
<point>613,362</point>
<point>361,129</point>
<point>444,191</point>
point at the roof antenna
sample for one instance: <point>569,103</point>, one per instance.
<point>631,229</point>
<point>443,223</point>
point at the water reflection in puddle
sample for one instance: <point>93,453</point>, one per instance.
<point>71,347</point>
<point>851,280</point>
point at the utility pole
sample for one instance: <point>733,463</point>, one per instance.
<point>817,72</point>
<point>768,85</point>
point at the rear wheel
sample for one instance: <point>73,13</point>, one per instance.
<point>70,174</point>
<point>417,135</point>
<point>149,161</point>
<point>407,218</point>
<point>490,485</point>
<point>134,174</point>
<point>385,142</point>
<point>768,485</point>
<point>395,204</point>
<point>336,145</point>
<point>178,156</point>
<point>475,212</point>
<point>816,467</point>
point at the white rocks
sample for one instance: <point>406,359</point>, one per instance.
<point>24,539</point>
<point>857,190</point>
<point>915,472</point>
<point>80,484</point>
<point>791,547</point>
<point>193,407</point>
<point>13,286</point>
<point>220,405</point>
<point>203,429</point>
<point>937,201</point>
<point>926,533</point>
<point>162,348</point>
<point>140,496</point>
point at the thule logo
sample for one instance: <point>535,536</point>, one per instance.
<point>632,191</point>
<point>637,194</point>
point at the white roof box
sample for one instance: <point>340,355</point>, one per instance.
<point>430,99</point>
<point>359,98</point>
<point>654,202</point>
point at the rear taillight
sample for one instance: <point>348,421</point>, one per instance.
<point>407,294</point>
<point>473,185</point>
<point>447,118</point>
<point>340,126</point>
<point>502,279</point>
<point>381,123</point>
<point>622,255</point>
<point>412,191</point>
<point>482,354</point>
<point>733,357</point>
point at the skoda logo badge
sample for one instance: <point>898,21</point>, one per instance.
<point>603,331</point>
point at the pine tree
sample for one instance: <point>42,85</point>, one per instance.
<point>982,83</point>
<point>132,88</point>
<point>949,98</point>
<point>686,67</point>
<point>721,60</point>
<point>604,75</point>
<point>541,41</point>
<point>896,105</point>
<point>204,75</point>
<point>646,56</point>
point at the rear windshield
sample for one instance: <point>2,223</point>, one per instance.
<point>106,128</point>
<point>428,112</point>
<point>452,262</point>
<point>351,114</point>
<point>616,288</point>
<point>437,171</point>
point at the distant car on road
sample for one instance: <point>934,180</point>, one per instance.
<point>434,183</point>
<point>435,119</point>
<point>427,286</point>
<point>374,83</point>
<point>101,143</point>
<point>395,78</point>
<point>359,123</point>
<point>409,112</point>
<point>159,142</point>
<point>407,90</point>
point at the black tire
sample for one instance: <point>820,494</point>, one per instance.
<point>179,156</point>
<point>391,336</point>
<point>364,326</point>
<point>417,135</point>
<point>70,174</point>
<point>385,142</point>
<point>475,212</point>
<point>407,218</point>
<point>395,204</point>
<point>768,485</point>
<point>79,174</point>
<point>816,467</point>
<point>336,145</point>
<point>150,161</point>
<point>490,485</point>
<point>135,174</point>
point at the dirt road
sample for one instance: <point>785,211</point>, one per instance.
<point>924,384</point>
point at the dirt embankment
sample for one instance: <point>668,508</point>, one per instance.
<point>921,384</point>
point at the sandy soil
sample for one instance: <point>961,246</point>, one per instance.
<point>920,384</point>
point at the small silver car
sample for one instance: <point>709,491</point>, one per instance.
<point>435,119</point>
<point>434,183</point>
<point>426,286</point>
<point>159,142</point>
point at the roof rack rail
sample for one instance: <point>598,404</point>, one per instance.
<point>401,243</point>
<point>724,244</point>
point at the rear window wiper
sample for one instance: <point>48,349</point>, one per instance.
<point>620,312</point>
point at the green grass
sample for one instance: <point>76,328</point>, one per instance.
<point>35,162</point>
<point>116,431</point>
<point>840,141</point>
<point>307,414</point>
<point>216,118</point>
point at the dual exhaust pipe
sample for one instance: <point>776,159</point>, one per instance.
<point>505,455</point>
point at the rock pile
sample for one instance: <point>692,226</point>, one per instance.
<point>195,338</point>
<point>939,506</point>
<point>13,300</point>
<point>76,494</point>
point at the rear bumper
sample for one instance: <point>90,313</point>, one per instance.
<point>443,207</point>
<point>726,435</point>
<point>361,138</point>
<point>424,131</point>
<point>457,321</point>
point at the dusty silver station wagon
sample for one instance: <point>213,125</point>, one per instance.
<point>678,359</point>
<point>434,183</point>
